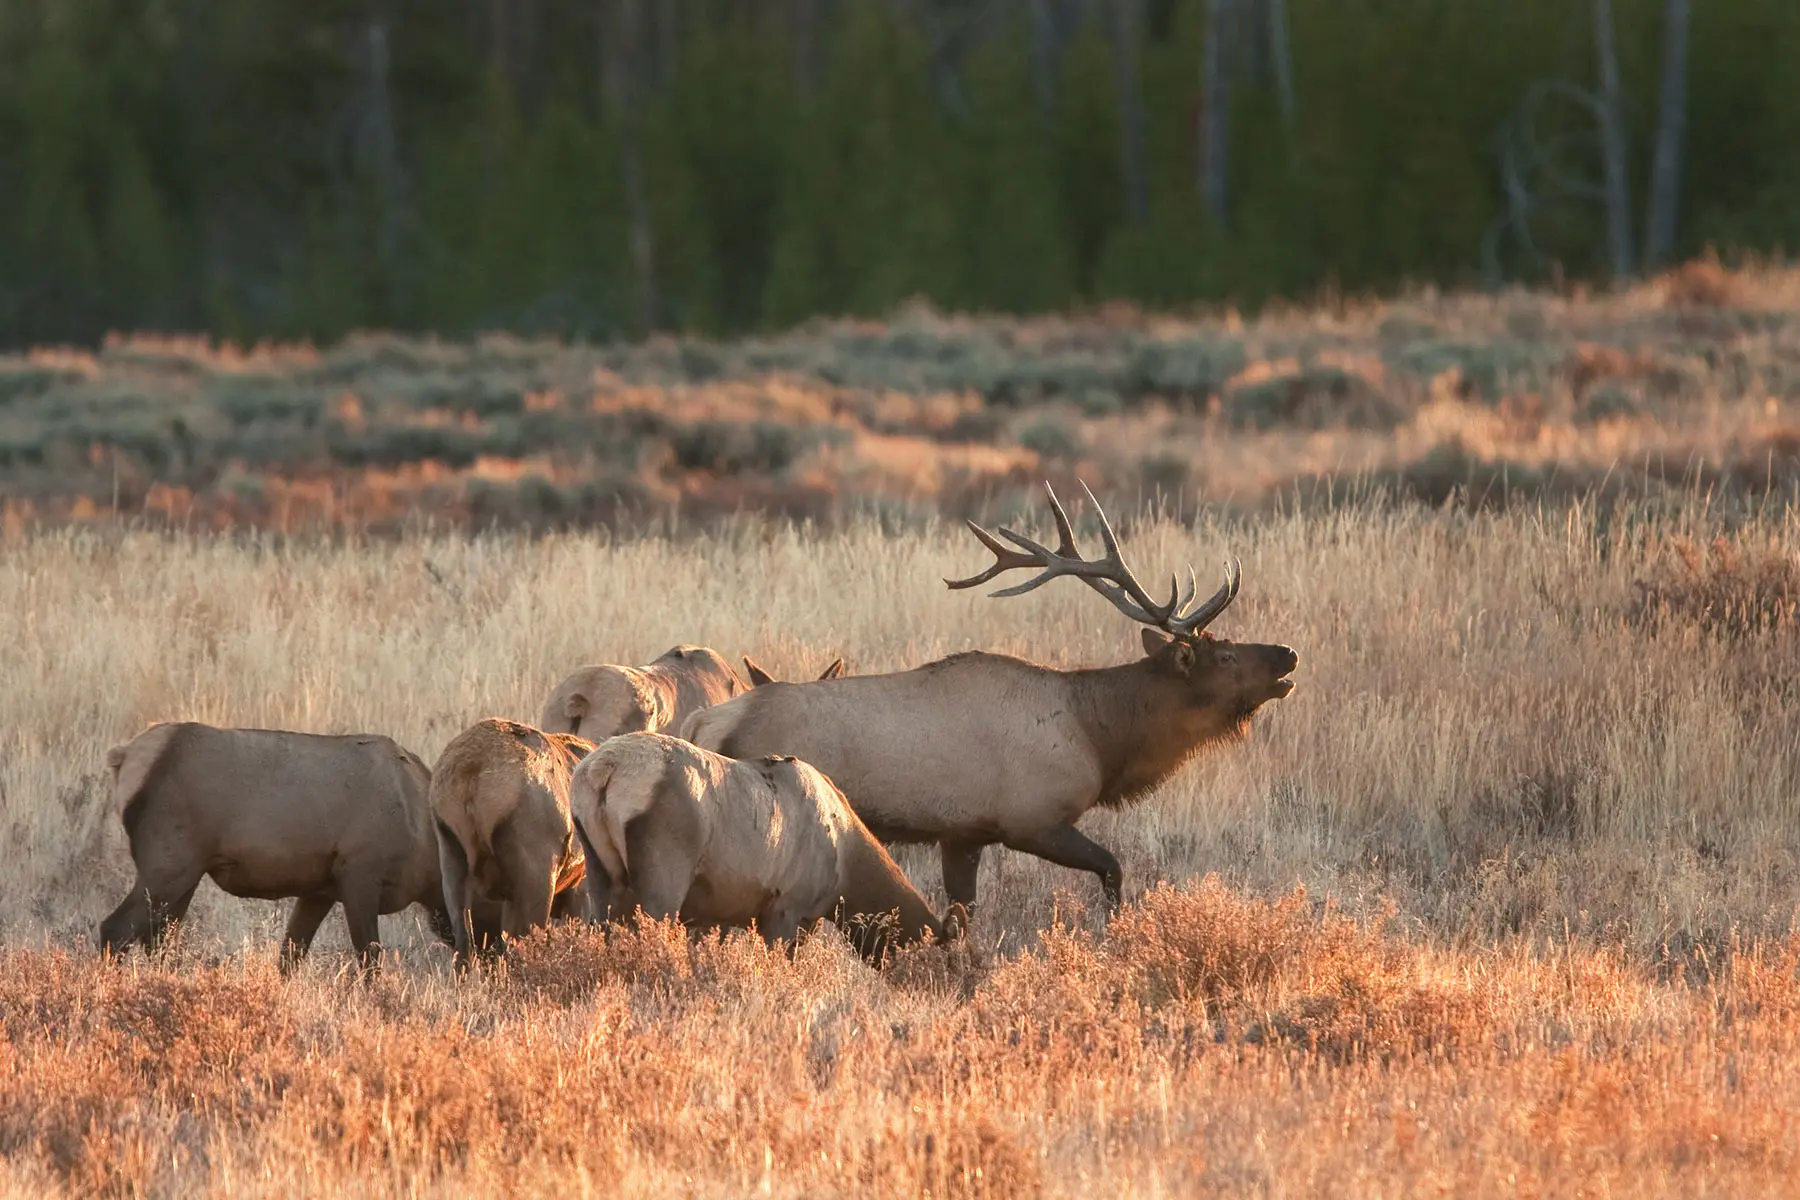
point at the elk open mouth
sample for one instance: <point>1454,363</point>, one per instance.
<point>1283,685</point>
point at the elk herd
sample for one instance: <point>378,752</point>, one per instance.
<point>682,789</point>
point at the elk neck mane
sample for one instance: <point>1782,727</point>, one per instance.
<point>1143,727</point>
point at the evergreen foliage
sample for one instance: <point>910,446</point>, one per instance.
<point>262,167</point>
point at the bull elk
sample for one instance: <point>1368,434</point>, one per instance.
<point>978,749</point>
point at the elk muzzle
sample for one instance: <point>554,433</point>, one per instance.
<point>1282,660</point>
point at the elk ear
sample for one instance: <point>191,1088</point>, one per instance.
<point>575,707</point>
<point>834,670</point>
<point>758,676</point>
<point>1184,657</point>
<point>1155,640</point>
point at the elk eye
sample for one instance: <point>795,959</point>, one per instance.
<point>1227,658</point>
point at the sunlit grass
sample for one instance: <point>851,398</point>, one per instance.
<point>1503,900</point>
<point>1540,783</point>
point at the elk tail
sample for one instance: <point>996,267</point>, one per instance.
<point>134,767</point>
<point>606,841</point>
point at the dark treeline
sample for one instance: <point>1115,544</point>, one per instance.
<point>596,167</point>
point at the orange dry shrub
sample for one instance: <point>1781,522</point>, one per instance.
<point>1722,586</point>
<point>1701,283</point>
<point>1171,1054</point>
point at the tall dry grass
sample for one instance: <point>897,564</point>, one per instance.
<point>1538,784</point>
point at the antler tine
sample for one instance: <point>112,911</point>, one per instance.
<point>1107,575</point>
<point>1064,530</point>
<point>1123,576</point>
<point>1035,555</point>
<point>1220,600</point>
<point>1188,593</point>
<point>1004,559</point>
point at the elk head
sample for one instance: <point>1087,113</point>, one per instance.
<point>758,677</point>
<point>1231,679</point>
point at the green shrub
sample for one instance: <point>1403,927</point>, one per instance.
<point>1050,437</point>
<point>1495,368</point>
<point>744,447</point>
<point>256,401</point>
<point>1193,368</point>
<point>1317,397</point>
<point>1165,474</point>
<point>1607,400</point>
<point>982,425</point>
<point>22,381</point>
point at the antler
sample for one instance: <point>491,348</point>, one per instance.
<point>1107,575</point>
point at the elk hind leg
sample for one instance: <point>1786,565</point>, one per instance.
<point>530,876</point>
<point>453,866</point>
<point>159,897</point>
<point>663,849</point>
<point>1067,846</point>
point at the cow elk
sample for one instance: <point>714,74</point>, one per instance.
<point>269,814</point>
<point>500,796</point>
<point>725,843</point>
<point>978,749</point>
<point>602,701</point>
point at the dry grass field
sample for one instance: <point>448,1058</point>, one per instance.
<point>1503,900</point>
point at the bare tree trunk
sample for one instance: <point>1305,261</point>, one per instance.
<point>381,147</point>
<point>620,34</point>
<point>1671,128</point>
<point>1215,110</point>
<point>1044,53</point>
<point>523,53</point>
<point>668,40</point>
<point>1131,109</point>
<point>947,41</point>
<point>1281,51</point>
<point>803,43</point>
<point>498,36</point>
<point>1612,145</point>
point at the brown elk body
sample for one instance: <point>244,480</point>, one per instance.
<point>981,749</point>
<point>270,814</point>
<point>727,843</point>
<point>605,700</point>
<point>500,796</point>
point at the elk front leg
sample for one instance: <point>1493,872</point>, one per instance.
<point>1067,846</point>
<point>362,914</point>
<point>485,918</point>
<point>572,904</point>
<point>303,926</point>
<point>962,863</point>
<point>783,925</point>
